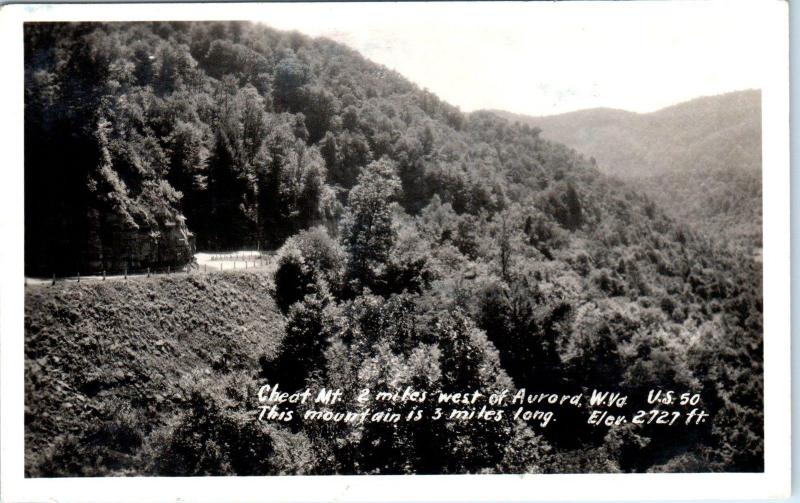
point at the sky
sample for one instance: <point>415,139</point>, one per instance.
<point>544,58</point>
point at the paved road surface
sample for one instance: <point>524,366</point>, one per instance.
<point>205,262</point>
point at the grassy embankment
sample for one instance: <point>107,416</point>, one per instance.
<point>109,364</point>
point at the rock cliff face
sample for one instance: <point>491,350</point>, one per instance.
<point>115,247</point>
<point>105,242</point>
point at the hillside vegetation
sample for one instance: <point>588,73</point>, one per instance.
<point>417,246</point>
<point>699,160</point>
<point>110,364</point>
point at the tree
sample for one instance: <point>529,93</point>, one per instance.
<point>505,246</point>
<point>230,189</point>
<point>302,350</point>
<point>320,108</point>
<point>292,191</point>
<point>368,233</point>
<point>565,206</point>
<point>290,76</point>
<point>509,238</point>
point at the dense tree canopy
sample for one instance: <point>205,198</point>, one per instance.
<point>417,245</point>
<point>699,160</point>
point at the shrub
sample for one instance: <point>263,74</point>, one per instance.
<point>323,255</point>
<point>108,448</point>
<point>213,437</point>
<point>607,282</point>
<point>408,267</point>
<point>293,277</point>
<point>302,350</point>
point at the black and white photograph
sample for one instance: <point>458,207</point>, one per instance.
<point>396,239</point>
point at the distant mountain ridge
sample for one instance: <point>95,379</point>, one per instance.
<point>700,160</point>
<point>416,247</point>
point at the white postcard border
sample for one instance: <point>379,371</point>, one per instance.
<point>773,483</point>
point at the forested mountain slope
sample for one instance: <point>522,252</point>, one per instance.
<point>700,160</point>
<point>416,246</point>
